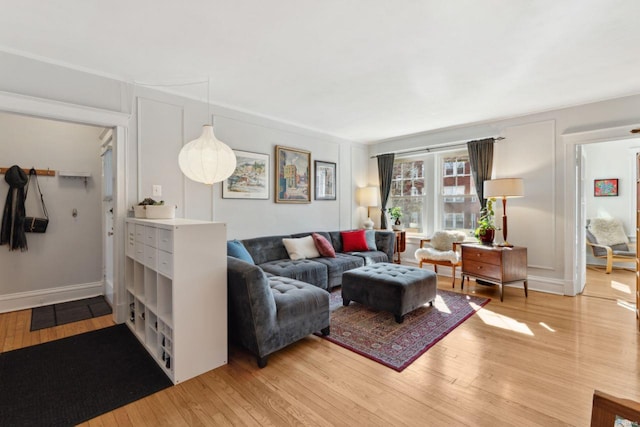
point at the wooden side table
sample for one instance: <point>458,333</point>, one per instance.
<point>495,264</point>
<point>401,245</point>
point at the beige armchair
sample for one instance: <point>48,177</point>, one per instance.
<point>608,241</point>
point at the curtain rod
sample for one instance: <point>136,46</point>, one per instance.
<point>428,150</point>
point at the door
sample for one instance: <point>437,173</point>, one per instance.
<point>637,241</point>
<point>107,214</point>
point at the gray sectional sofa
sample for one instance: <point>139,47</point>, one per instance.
<point>270,254</point>
<point>275,301</point>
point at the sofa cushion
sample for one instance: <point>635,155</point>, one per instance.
<point>297,301</point>
<point>236,249</point>
<point>372,257</point>
<point>370,237</point>
<point>265,249</point>
<point>353,241</point>
<point>338,265</point>
<point>305,270</point>
<point>301,248</point>
<point>323,245</point>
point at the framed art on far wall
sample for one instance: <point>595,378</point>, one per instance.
<point>293,175</point>
<point>250,180</point>
<point>605,187</point>
<point>325,176</point>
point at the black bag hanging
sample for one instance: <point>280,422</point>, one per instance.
<point>36,224</point>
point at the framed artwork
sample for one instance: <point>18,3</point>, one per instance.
<point>605,187</point>
<point>293,175</point>
<point>250,180</point>
<point>325,180</point>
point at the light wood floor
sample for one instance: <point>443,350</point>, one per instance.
<point>522,362</point>
<point>620,284</point>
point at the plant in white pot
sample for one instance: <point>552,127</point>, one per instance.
<point>396,213</point>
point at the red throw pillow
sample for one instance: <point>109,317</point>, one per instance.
<point>354,241</point>
<point>323,246</point>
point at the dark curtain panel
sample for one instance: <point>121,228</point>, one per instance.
<point>385,173</point>
<point>481,160</point>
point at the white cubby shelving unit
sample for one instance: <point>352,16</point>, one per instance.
<point>176,286</point>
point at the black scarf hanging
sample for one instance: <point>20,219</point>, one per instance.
<point>12,232</point>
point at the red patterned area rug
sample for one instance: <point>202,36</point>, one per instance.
<point>376,335</point>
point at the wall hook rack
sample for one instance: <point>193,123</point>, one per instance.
<point>45,172</point>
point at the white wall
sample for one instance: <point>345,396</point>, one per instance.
<point>543,220</point>
<point>160,123</point>
<point>612,160</point>
<point>70,252</point>
<point>165,123</point>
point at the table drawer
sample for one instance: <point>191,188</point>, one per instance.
<point>477,268</point>
<point>488,256</point>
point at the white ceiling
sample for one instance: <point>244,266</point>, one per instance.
<point>363,70</point>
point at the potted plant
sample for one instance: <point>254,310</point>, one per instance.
<point>396,213</point>
<point>486,229</point>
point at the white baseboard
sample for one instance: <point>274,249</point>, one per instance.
<point>25,300</point>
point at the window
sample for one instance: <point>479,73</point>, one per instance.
<point>407,191</point>
<point>448,201</point>
<point>459,207</point>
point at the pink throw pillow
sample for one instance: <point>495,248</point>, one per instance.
<point>354,241</point>
<point>323,246</point>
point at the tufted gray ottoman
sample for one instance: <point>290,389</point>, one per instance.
<point>389,287</point>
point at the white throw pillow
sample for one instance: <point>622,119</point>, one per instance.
<point>443,240</point>
<point>301,248</point>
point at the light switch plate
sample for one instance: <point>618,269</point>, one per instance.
<point>157,190</point>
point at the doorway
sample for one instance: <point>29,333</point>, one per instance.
<point>613,159</point>
<point>118,123</point>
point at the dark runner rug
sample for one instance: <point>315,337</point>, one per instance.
<point>67,312</point>
<point>376,335</point>
<point>71,380</point>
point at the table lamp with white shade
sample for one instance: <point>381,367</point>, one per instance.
<point>368,198</point>
<point>504,188</point>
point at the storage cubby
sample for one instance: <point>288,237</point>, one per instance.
<point>165,299</point>
<point>176,281</point>
<point>150,288</point>
<point>128,273</point>
<point>140,317</point>
<point>138,280</point>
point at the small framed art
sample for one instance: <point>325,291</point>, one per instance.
<point>605,187</point>
<point>293,175</point>
<point>250,180</point>
<point>325,180</point>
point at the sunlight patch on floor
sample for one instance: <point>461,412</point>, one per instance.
<point>628,305</point>
<point>620,287</point>
<point>547,327</point>
<point>441,305</point>
<point>500,321</point>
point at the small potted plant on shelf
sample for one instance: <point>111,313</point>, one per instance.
<point>396,213</point>
<point>486,229</point>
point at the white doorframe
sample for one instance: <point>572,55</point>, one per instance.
<point>574,261</point>
<point>45,108</point>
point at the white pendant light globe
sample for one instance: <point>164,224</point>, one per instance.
<point>207,159</point>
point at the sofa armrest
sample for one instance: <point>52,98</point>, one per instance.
<point>385,242</point>
<point>252,308</point>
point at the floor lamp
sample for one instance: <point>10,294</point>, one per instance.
<point>504,188</point>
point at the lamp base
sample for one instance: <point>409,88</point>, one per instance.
<point>504,245</point>
<point>368,224</point>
